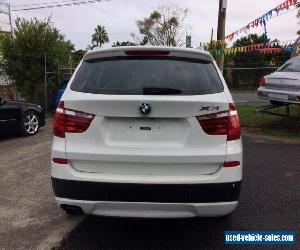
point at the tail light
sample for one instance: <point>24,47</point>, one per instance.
<point>231,164</point>
<point>223,123</point>
<point>70,121</point>
<point>146,53</point>
<point>262,81</point>
<point>60,161</point>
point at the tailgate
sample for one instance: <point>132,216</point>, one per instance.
<point>168,141</point>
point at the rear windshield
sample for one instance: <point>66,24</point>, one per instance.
<point>130,75</point>
<point>291,66</point>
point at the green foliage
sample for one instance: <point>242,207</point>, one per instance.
<point>2,37</point>
<point>163,27</point>
<point>77,56</point>
<point>252,59</point>
<point>122,44</point>
<point>100,36</point>
<point>214,46</point>
<point>250,40</point>
<point>24,50</point>
<point>247,59</point>
<point>249,78</point>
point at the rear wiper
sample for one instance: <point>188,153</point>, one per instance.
<point>153,90</point>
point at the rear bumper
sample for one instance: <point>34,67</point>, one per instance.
<point>146,195</point>
<point>158,193</point>
<point>291,96</point>
<point>152,210</point>
<point>148,200</point>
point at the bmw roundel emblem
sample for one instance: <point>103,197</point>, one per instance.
<point>145,108</point>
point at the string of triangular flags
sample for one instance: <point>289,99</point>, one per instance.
<point>280,9</point>
<point>275,47</point>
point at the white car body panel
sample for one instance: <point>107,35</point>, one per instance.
<point>152,210</point>
<point>115,149</point>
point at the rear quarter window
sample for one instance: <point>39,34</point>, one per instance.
<point>129,75</point>
<point>291,66</point>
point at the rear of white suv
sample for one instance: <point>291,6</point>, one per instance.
<point>147,132</point>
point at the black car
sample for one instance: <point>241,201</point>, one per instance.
<point>22,117</point>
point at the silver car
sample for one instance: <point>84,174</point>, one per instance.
<point>282,86</point>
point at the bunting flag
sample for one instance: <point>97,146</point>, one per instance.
<point>265,51</point>
<point>274,47</point>
<point>269,51</point>
<point>270,44</point>
<point>261,21</point>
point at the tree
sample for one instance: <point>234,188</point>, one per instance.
<point>2,38</point>
<point>214,46</point>
<point>3,75</point>
<point>252,59</point>
<point>24,52</point>
<point>163,27</point>
<point>100,36</point>
<point>119,44</point>
<point>250,40</point>
<point>77,56</point>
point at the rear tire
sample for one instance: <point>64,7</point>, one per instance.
<point>30,123</point>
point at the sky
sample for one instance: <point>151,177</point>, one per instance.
<point>119,17</point>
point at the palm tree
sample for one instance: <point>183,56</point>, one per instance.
<point>100,36</point>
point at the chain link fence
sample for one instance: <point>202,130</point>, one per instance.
<point>246,78</point>
<point>51,72</point>
<point>243,71</point>
<point>46,72</point>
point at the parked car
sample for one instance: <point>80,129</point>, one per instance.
<point>25,118</point>
<point>60,92</point>
<point>147,132</point>
<point>283,86</point>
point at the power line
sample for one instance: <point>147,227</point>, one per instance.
<point>58,5</point>
<point>35,4</point>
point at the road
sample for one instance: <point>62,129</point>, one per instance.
<point>30,219</point>
<point>246,97</point>
<point>270,200</point>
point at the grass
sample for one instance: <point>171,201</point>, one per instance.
<point>281,127</point>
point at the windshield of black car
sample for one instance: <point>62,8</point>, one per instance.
<point>130,75</point>
<point>291,66</point>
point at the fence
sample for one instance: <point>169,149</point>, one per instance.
<point>50,72</point>
<point>46,72</point>
<point>52,81</point>
<point>246,78</point>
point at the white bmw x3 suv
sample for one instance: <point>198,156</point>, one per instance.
<point>147,132</point>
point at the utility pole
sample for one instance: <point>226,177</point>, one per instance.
<point>188,41</point>
<point>45,82</point>
<point>9,16</point>
<point>221,31</point>
<point>5,9</point>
